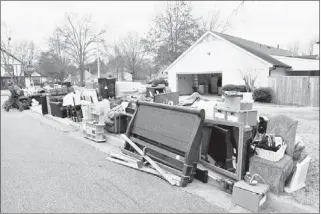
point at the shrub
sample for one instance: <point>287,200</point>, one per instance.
<point>263,94</point>
<point>241,88</point>
<point>231,87</point>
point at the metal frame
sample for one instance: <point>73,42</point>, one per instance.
<point>238,174</point>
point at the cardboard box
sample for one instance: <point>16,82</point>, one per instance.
<point>248,196</point>
<point>233,102</point>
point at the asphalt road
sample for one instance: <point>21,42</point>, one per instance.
<point>46,170</point>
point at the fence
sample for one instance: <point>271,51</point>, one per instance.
<point>294,90</point>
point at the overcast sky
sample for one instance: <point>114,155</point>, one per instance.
<point>270,22</point>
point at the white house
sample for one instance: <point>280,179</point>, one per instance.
<point>10,67</point>
<point>35,79</point>
<point>218,59</point>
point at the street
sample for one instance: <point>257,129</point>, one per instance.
<point>44,169</point>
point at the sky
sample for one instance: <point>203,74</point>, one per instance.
<point>268,22</point>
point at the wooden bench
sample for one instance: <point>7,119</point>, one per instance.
<point>170,135</point>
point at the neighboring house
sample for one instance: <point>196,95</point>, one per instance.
<point>35,79</point>
<point>13,66</point>
<point>216,60</point>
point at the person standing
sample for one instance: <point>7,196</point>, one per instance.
<point>14,97</point>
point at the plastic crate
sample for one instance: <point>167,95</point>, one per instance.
<point>94,131</point>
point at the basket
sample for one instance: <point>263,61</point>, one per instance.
<point>270,155</point>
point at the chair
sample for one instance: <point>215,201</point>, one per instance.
<point>285,127</point>
<point>275,174</point>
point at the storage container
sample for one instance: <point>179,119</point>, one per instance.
<point>271,155</point>
<point>247,117</point>
<point>94,131</point>
<point>233,102</point>
<point>246,105</point>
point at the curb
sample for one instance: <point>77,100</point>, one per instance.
<point>290,206</point>
<point>221,199</point>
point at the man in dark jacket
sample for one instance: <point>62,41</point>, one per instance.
<point>14,97</point>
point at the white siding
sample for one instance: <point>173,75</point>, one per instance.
<point>218,56</point>
<point>278,72</point>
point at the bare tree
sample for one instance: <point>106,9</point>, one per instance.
<point>236,10</point>
<point>79,40</point>
<point>115,60</point>
<point>26,52</point>
<point>174,30</point>
<point>249,76</point>
<point>58,47</point>
<point>211,23</point>
<point>5,44</point>
<point>311,44</point>
<point>131,52</point>
<point>294,47</point>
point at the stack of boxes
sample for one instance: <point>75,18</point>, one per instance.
<point>238,107</point>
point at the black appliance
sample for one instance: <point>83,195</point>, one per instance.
<point>107,87</point>
<point>67,84</point>
<point>44,106</point>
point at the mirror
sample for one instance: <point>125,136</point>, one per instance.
<point>223,149</point>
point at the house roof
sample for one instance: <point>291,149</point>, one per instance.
<point>256,49</point>
<point>10,55</point>
<point>5,75</point>
<point>260,50</point>
<point>300,64</point>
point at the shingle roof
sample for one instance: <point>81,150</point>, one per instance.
<point>260,50</point>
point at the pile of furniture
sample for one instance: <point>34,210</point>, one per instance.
<point>178,144</point>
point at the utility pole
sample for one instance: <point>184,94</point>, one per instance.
<point>8,62</point>
<point>98,62</point>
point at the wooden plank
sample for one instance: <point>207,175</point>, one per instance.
<point>314,83</point>
<point>157,149</point>
<point>173,180</point>
<point>134,166</point>
<point>136,156</point>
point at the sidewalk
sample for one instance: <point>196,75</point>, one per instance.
<point>209,192</point>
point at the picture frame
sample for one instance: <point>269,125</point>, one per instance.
<point>240,151</point>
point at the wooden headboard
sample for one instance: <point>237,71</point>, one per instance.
<point>172,133</point>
